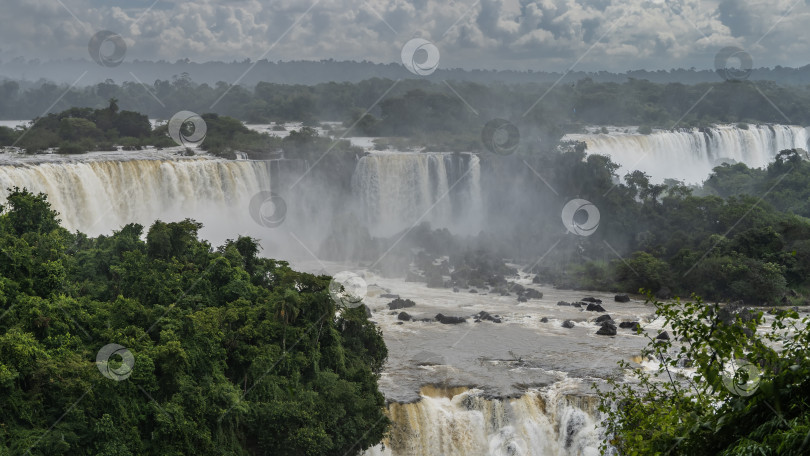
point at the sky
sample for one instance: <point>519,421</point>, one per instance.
<point>541,35</point>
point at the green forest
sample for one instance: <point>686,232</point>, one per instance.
<point>232,353</point>
<point>450,114</point>
<point>723,241</point>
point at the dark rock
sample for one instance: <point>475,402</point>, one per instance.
<point>426,320</point>
<point>531,293</point>
<point>367,310</point>
<point>663,293</point>
<point>602,318</point>
<point>447,320</point>
<point>730,313</point>
<point>577,304</point>
<point>400,323</point>
<point>389,296</point>
<point>473,290</point>
<point>622,298</point>
<point>400,304</point>
<point>607,329</point>
<point>629,325</point>
<point>455,289</point>
<point>522,299</point>
<point>483,315</point>
<point>591,299</point>
<point>394,312</point>
<point>544,320</point>
<point>563,303</point>
<point>595,308</point>
<point>505,293</point>
<point>568,324</point>
<point>536,279</point>
<point>517,288</point>
<point>662,336</point>
<point>404,316</point>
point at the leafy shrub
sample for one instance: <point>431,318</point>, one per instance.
<point>749,394</point>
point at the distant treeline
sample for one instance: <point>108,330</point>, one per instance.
<point>447,114</point>
<point>251,73</point>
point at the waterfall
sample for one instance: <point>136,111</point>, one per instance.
<point>690,154</point>
<point>399,190</point>
<point>97,197</point>
<point>461,421</point>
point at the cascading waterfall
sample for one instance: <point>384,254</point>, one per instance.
<point>97,197</point>
<point>690,154</point>
<point>461,421</point>
<point>399,190</point>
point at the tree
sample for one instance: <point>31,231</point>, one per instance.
<point>26,212</point>
<point>748,394</point>
<point>212,372</point>
<point>287,310</point>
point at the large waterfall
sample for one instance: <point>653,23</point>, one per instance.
<point>399,190</point>
<point>461,421</point>
<point>99,193</point>
<point>690,154</point>
<point>99,196</point>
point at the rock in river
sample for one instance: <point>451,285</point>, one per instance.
<point>607,329</point>
<point>604,318</point>
<point>447,320</point>
<point>400,304</point>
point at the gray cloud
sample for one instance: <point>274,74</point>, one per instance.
<point>509,34</point>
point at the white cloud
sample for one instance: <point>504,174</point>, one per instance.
<point>515,34</point>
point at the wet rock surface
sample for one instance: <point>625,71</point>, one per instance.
<point>607,329</point>
<point>400,304</point>
<point>449,320</point>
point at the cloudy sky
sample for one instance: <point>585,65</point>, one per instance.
<point>549,35</point>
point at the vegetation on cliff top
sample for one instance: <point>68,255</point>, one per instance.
<point>233,353</point>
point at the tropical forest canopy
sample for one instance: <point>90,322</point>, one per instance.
<point>233,353</point>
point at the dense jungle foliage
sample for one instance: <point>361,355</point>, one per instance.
<point>233,353</point>
<point>743,393</point>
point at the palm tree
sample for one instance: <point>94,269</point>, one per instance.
<point>287,309</point>
<point>113,105</point>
